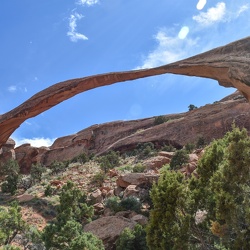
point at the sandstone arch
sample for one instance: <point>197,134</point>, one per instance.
<point>229,65</point>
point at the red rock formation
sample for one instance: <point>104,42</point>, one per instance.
<point>7,151</point>
<point>210,122</point>
<point>26,155</point>
<point>229,65</point>
<point>109,228</point>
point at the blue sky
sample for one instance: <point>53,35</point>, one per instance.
<point>44,42</point>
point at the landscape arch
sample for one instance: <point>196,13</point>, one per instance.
<point>229,65</point>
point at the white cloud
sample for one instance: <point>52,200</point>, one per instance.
<point>72,33</point>
<point>200,5</point>
<point>35,142</point>
<point>242,9</point>
<point>169,49</point>
<point>12,88</point>
<point>213,15</point>
<point>220,13</point>
<point>88,2</point>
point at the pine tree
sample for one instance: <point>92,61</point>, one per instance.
<point>66,231</point>
<point>208,212</point>
<point>169,224</point>
<point>11,171</point>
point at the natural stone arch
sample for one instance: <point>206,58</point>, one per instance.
<point>229,65</point>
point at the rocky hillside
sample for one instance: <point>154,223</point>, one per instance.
<point>111,168</point>
<point>208,122</point>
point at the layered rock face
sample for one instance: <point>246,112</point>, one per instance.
<point>210,122</point>
<point>7,151</point>
<point>229,65</point>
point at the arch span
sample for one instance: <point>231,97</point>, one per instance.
<point>229,65</point>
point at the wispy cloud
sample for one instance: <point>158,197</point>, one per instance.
<point>35,142</point>
<point>242,9</point>
<point>72,33</point>
<point>169,49</point>
<point>219,13</point>
<point>187,41</point>
<point>88,2</point>
<point>12,88</point>
<point>213,15</point>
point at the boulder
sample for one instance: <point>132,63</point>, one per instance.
<point>96,196</point>
<point>131,190</point>
<point>7,151</point>
<point>193,158</point>
<point>112,173</point>
<point>25,198</point>
<point>98,208</point>
<point>10,144</point>
<point>136,179</point>
<point>109,228</point>
<point>26,155</point>
<point>190,167</point>
<point>166,154</point>
<point>140,219</point>
<point>156,162</point>
<point>127,214</point>
<point>7,155</point>
<point>118,191</point>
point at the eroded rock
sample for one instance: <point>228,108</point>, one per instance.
<point>229,65</point>
<point>109,228</point>
<point>136,179</point>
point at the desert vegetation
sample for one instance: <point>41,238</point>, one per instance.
<point>166,205</point>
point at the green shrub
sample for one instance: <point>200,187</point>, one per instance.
<point>189,147</point>
<point>66,231</point>
<point>200,142</point>
<point>82,158</point>
<point>73,204</point>
<point>57,167</point>
<point>168,226</point>
<point>191,107</point>
<point>125,168</point>
<point>11,223</point>
<point>70,236</point>
<point>36,172</point>
<point>208,212</point>
<point>130,203</point>
<point>160,119</point>
<point>144,150</point>
<point>168,148</point>
<point>99,178</point>
<point>9,247</point>
<point>132,239</point>
<point>179,158</point>
<point>109,161</point>
<point>139,168</point>
<point>86,241</point>
<point>48,190</point>
<point>11,172</point>
<point>113,203</point>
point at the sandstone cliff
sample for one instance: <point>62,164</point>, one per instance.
<point>209,122</point>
